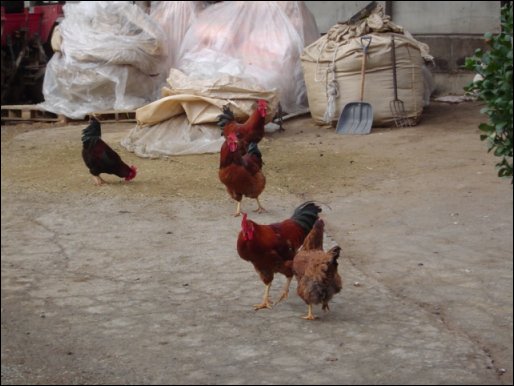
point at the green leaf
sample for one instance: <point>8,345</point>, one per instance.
<point>495,65</point>
<point>499,151</point>
<point>485,127</point>
<point>500,126</point>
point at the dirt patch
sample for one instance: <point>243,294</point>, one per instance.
<point>55,163</point>
<point>303,160</point>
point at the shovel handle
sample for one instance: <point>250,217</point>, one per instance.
<point>365,47</point>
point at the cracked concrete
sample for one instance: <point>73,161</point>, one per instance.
<point>140,283</point>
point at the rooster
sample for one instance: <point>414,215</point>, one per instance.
<point>316,271</point>
<point>100,158</point>
<point>240,171</point>
<point>250,131</point>
<point>271,248</point>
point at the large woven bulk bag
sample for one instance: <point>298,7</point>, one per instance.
<point>332,71</point>
<point>332,67</point>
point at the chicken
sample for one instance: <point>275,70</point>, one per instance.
<point>271,248</point>
<point>279,117</point>
<point>250,131</point>
<point>314,240</point>
<point>316,271</point>
<point>318,279</point>
<point>100,158</point>
<point>240,171</point>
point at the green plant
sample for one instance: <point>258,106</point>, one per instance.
<point>495,89</point>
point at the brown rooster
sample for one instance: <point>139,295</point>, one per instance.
<point>250,131</point>
<point>240,171</point>
<point>271,248</point>
<point>100,158</point>
<point>316,271</point>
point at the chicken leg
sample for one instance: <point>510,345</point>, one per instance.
<point>285,292</point>
<point>238,209</point>
<point>309,315</point>
<point>266,301</point>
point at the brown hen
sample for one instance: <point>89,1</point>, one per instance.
<point>316,271</point>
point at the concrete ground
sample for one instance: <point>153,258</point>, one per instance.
<point>140,283</point>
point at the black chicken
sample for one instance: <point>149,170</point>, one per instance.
<point>100,158</point>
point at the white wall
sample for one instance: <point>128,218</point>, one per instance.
<point>448,17</point>
<point>328,13</point>
<point>419,17</point>
<point>452,29</point>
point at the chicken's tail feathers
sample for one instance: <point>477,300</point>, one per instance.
<point>332,256</point>
<point>314,240</point>
<point>92,131</point>
<point>306,215</point>
<point>334,252</point>
<point>254,149</point>
<point>227,116</point>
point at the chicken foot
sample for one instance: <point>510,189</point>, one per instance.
<point>260,208</point>
<point>309,315</point>
<point>266,301</point>
<point>98,180</point>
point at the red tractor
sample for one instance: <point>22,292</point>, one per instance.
<point>26,34</point>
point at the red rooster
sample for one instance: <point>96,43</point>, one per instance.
<point>316,271</point>
<point>240,171</point>
<point>250,131</point>
<point>271,248</point>
<point>100,158</point>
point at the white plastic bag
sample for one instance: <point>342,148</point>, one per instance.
<point>255,41</point>
<point>175,136</point>
<point>175,18</point>
<point>75,89</point>
<point>115,32</point>
<point>108,56</point>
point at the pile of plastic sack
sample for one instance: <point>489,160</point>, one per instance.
<point>113,56</point>
<point>228,53</point>
<point>183,121</point>
<point>108,57</point>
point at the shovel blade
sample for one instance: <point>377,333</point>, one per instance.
<point>356,118</point>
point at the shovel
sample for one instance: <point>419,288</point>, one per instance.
<point>357,117</point>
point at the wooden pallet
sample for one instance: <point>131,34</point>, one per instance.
<point>35,113</point>
<point>28,113</point>
<point>115,116</point>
